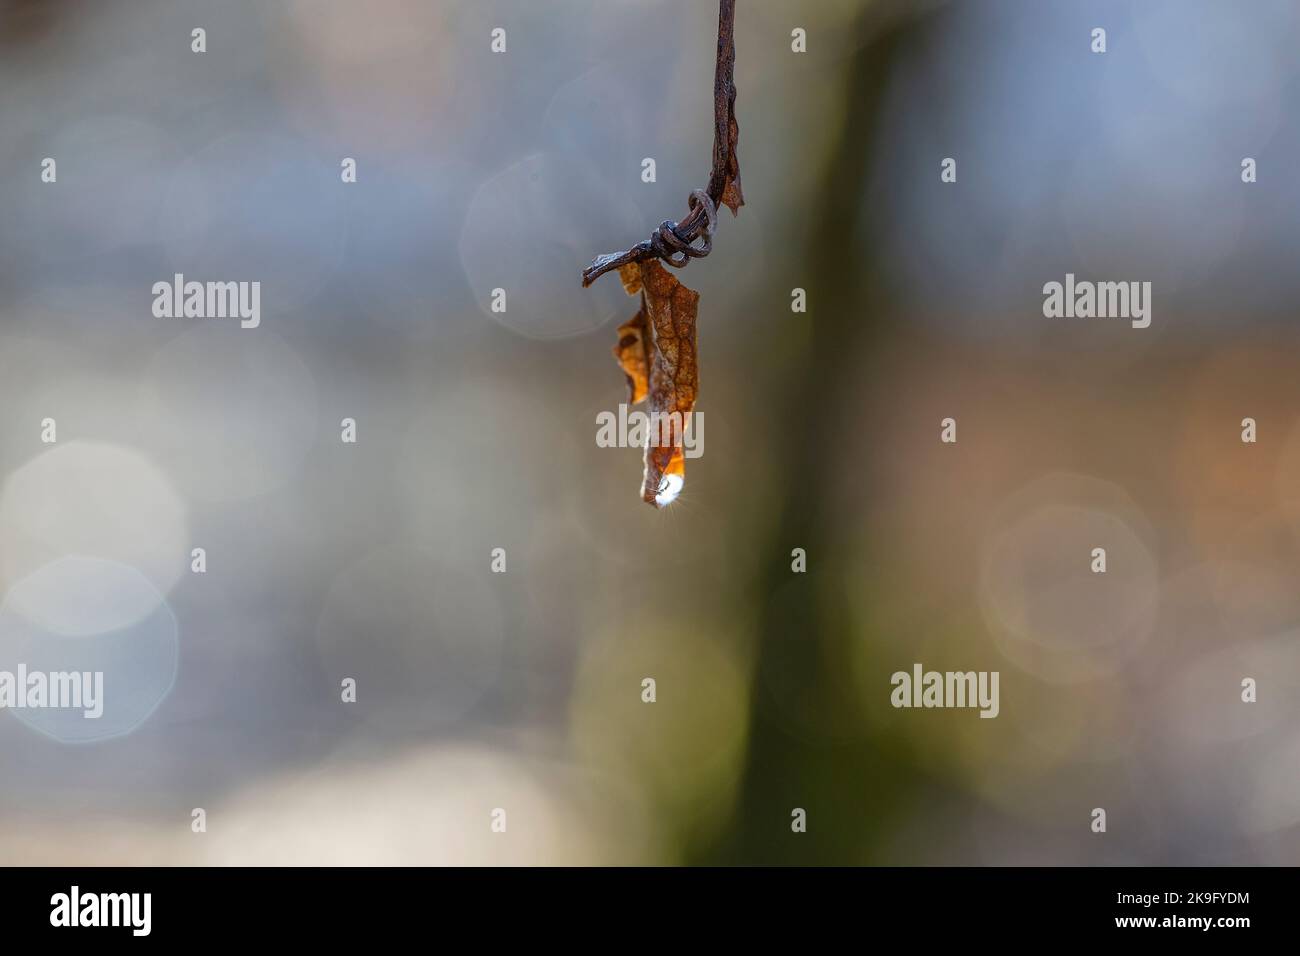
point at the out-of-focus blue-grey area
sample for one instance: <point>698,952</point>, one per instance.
<point>476,430</point>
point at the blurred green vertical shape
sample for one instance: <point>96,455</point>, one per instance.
<point>851,784</point>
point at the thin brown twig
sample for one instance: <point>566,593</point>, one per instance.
<point>680,237</point>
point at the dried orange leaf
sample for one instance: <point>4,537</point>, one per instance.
<point>656,351</point>
<point>671,310</point>
<point>632,350</point>
<point>631,276</point>
<point>669,484</point>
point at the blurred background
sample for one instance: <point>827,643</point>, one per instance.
<point>476,430</point>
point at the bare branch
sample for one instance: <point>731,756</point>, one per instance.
<point>674,242</point>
